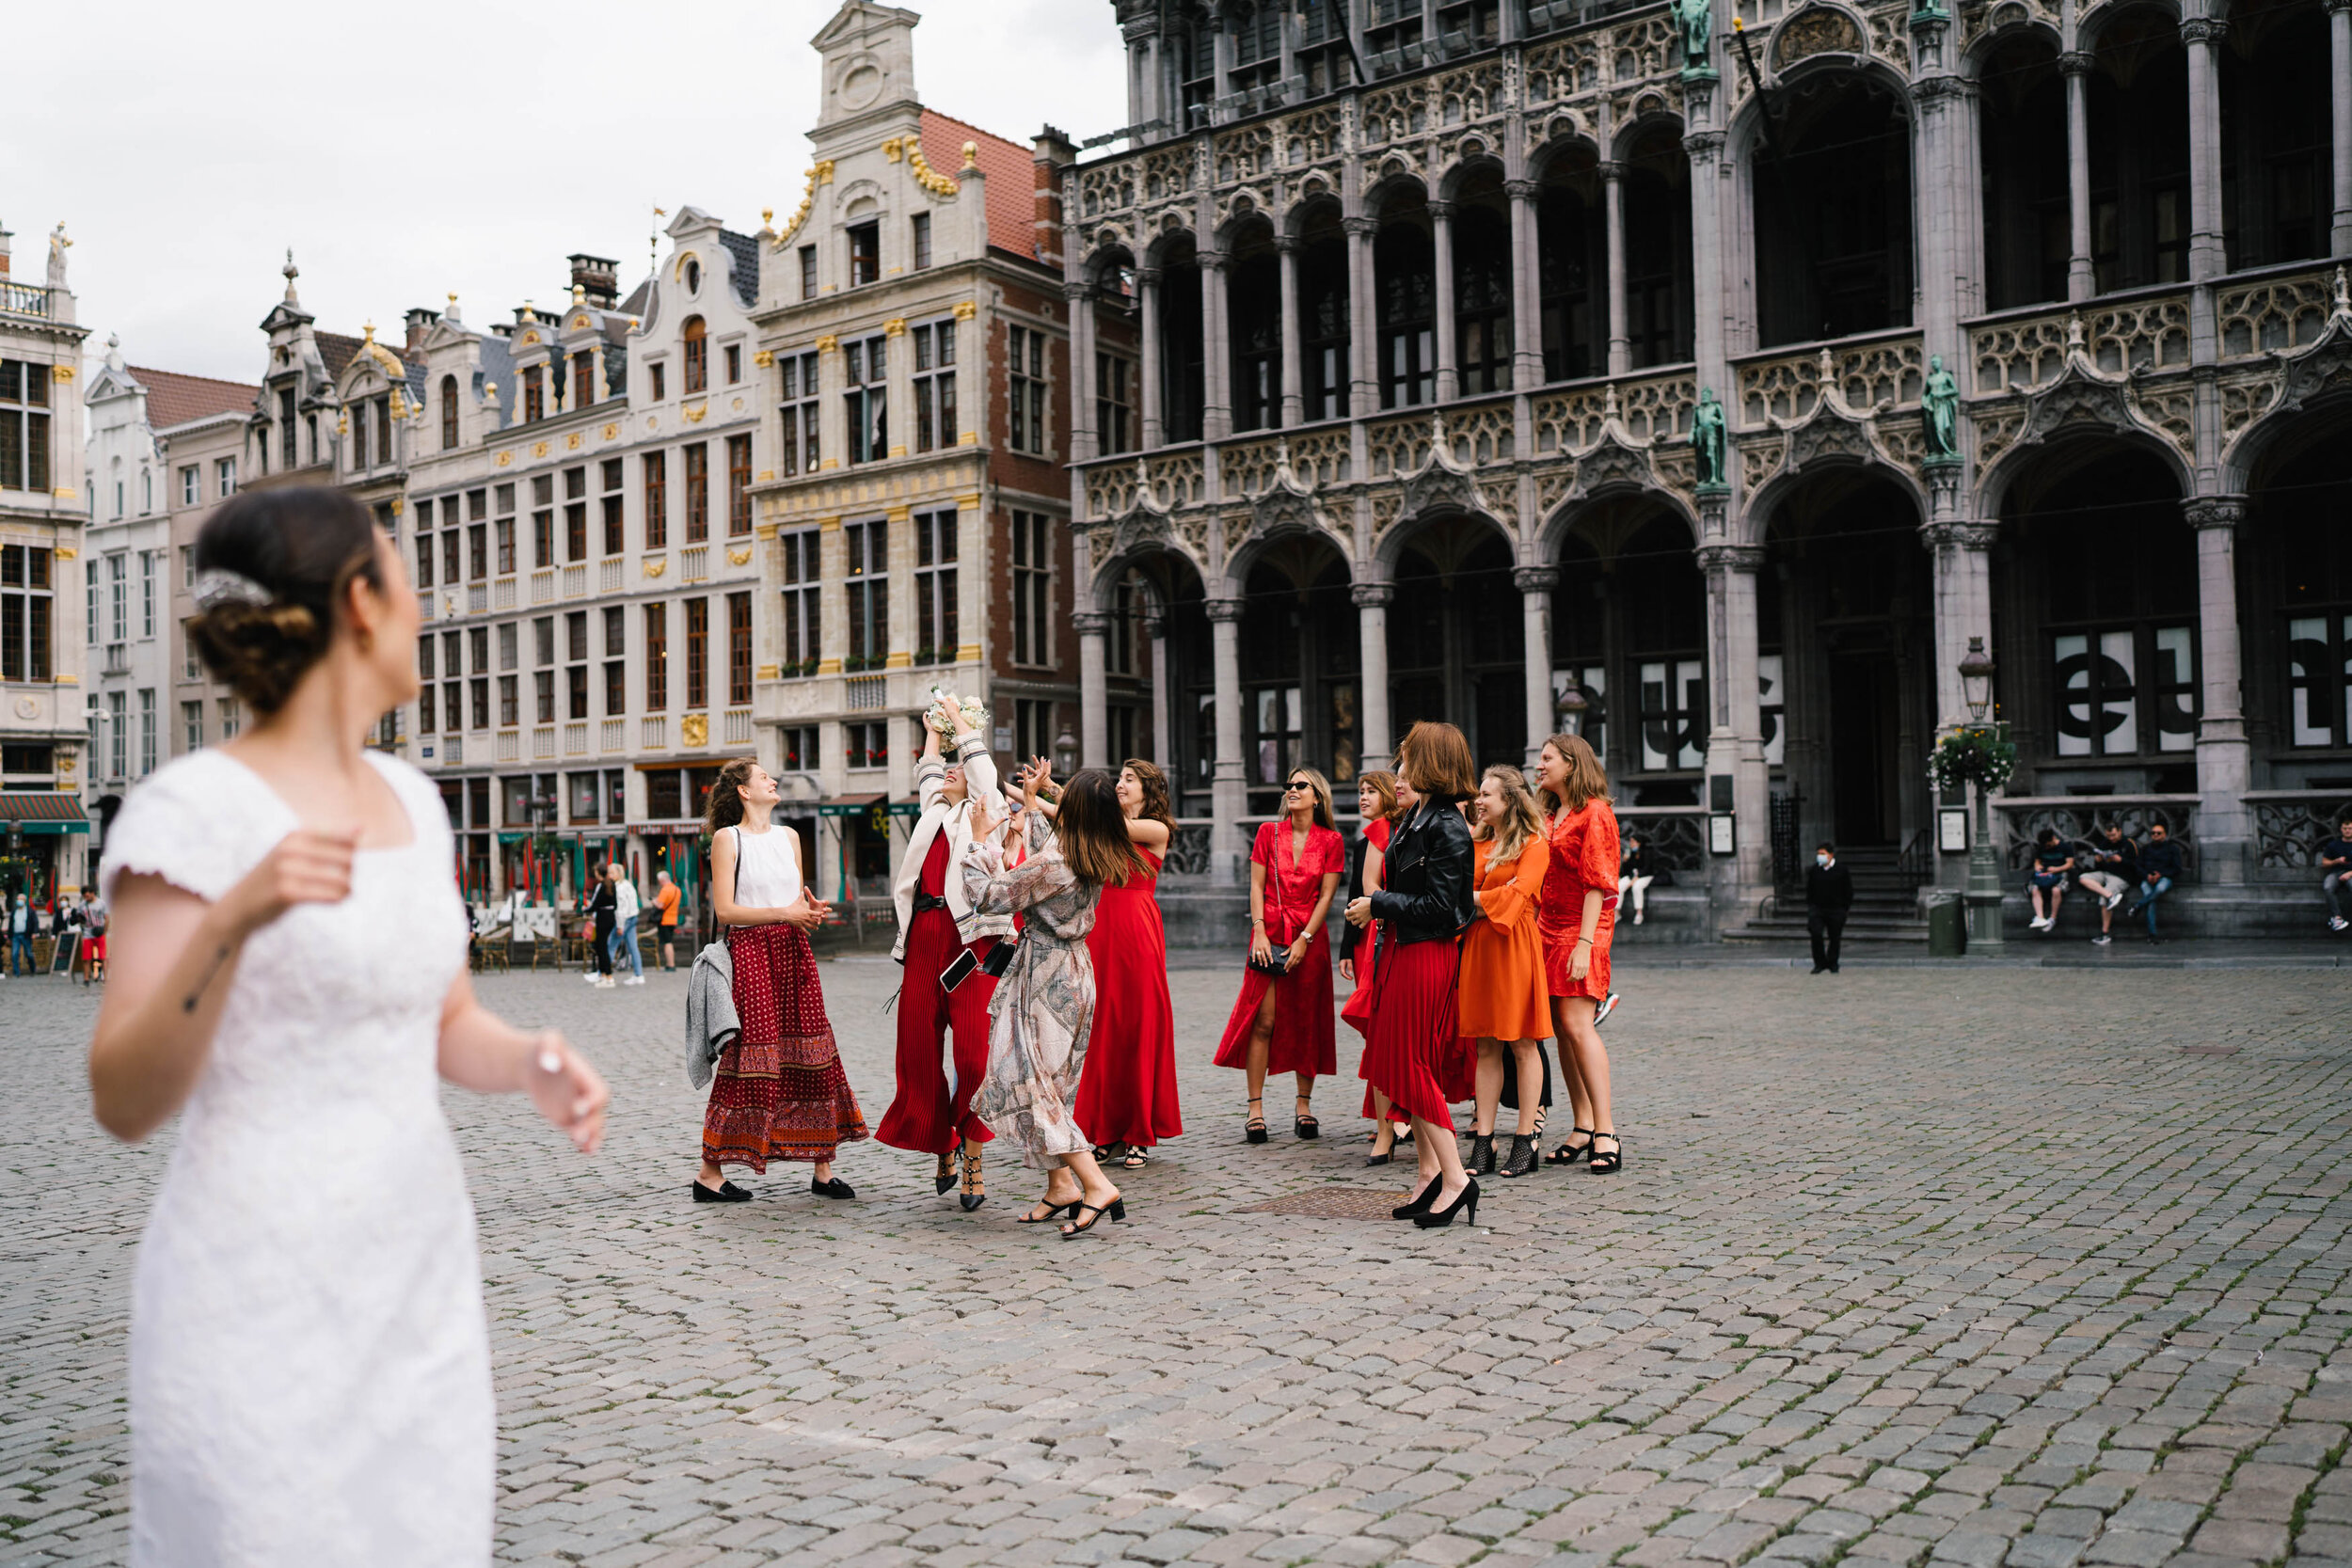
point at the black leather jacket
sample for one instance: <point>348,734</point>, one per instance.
<point>1425,894</point>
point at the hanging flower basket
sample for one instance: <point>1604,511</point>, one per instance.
<point>1972,754</point>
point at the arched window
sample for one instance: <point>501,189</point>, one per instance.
<point>1833,214</point>
<point>449,412</point>
<point>697,356</point>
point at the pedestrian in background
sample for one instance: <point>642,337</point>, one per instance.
<point>602,903</point>
<point>21,936</point>
<point>2160,866</point>
<point>1634,874</point>
<point>2114,871</point>
<point>1828,896</point>
<point>665,899</point>
<point>2052,860</point>
<point>625,909</point>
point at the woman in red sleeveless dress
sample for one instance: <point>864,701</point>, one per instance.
<point>1127,1091</point>
<point>1283,1024</point>
<point>1576,918</point>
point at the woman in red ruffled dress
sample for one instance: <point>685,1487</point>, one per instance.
<point>1283,1024</point>
<point>1127,1093</point>
<point>1577,919</point>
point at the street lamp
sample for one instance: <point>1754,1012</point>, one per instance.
<point>1983,899</point>
<point>1065,752</point>
<point>1572,705</point>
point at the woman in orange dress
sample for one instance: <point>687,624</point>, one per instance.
<point>1504,1001</point>
<point>1577,920</point>
<point>1283,1021</point>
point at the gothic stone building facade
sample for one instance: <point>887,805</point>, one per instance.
<point>1385,390</point>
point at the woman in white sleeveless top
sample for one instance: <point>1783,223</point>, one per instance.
<point>309,1362</point>
<point>778,1091</point>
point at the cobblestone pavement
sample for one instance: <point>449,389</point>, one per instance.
<point>1906,1266</point>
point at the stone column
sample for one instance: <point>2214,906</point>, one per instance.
<point>1371,665</point>
<point>1362,320</point>
<point>1163,696</point>
<point>2224,765</point>
<point>1612,198</point>
<point>1535,584</point>
<point>1094,720</point>
<point>1148,315</point>
<point>1962,557</point>
<point>1085,440</point>
<point>1735,742</point>
<point>2340,121</point>
<point>1527,320</point>
<point>2081,283</point>
<point>1227,797</point>
<point>2203,36</point>
<point>1216,374</point>
<point>1294,397</point>
<point>1449,373</point>
<point>1712,279</point>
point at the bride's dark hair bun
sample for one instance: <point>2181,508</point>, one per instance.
<point>297,549</point>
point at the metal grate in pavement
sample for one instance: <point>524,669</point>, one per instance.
<point>1334,1203</point>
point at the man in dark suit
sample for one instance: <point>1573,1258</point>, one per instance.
<point>1828,894</point>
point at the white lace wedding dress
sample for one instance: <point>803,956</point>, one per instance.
<point>309,1360</point>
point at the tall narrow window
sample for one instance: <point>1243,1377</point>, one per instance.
<point>576,664</point>
<point>543,677</point>
<point>1026,418</point>
<point>383,416</point>
<point>660,377</point>
<point>615,661</point>
<point>697,493</point>
<point>655,469</point>
<point>147,592</point>
<point>935,625</point>
<point>799,456</point>
<point>191,484</point>
<point>449,412</point>
<point>657,658</point>
<point>865,254</point>
<point>534,393</point>
<point>355,418</point>
<point>26,601</point>
<point>147,731</point>
<point>735,363</point>
<point>1404,267</point>
<point>802,621</point>
<point>1115,403</point>
<point>225,478</point>
<point>1032,590</point>
<point>697,653</point>
<point>289,457</point>
<point>584,378</point>
<point>575,514</point>
<point>865,367</point>
<point>808,272</point>
<point>542,520</point>
<point>934,385</point>
<point>614,529</point>
<point>740,648</point>
<point>695,353</point>
<point>866,570</point>
<point>424,559</point>
<point>919,231</point>
<point>503,529</point>
<point>739,485</point>
<point>118,596</point>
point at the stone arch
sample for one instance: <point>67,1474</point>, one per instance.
<point>1643,125</point>
<point>1476,159</point>
<point>2092,21</point>
<point>1579,515</point>
<point>1162,247</point>
<point>1571,143</point>
<point>1389,191</point>
<point>1271,527</point>
<point>1401,534</point>
<point>1997,485</point>
<point>1755,517</point>
<point>2010,22</point>
<point>2317,390</point>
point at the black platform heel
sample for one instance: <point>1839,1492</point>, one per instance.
<point>1521,1161</point>
<point>1253,1130</point>
<point>1465,1203</point>
<point>1606,1161</point>
<point>1421,1200</point>
<point>1482,1154</point>
<point>1568,1154</point>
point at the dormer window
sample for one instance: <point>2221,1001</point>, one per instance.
<point>449,412</point>
<point>694,276</point>
<point>865,254</point>
<point>584,378</point>
<point>697,354</point>
<point>535,394</point>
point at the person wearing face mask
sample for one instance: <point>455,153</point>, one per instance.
<point>1828,894</point>
<point>937,926</point>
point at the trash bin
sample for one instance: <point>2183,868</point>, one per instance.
<point>1948,925</point>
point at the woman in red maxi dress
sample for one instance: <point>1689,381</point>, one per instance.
<point>931,1112</point>
<point>1576,919</point>
<point>1127,1092</point>
<point>1284,1024</point>
<point>1424,905</point>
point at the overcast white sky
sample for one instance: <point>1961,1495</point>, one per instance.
<point>407,149</point>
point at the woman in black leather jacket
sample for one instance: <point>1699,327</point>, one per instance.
<point>1424,903</point>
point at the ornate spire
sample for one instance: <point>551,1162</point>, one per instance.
<point>291,272</point>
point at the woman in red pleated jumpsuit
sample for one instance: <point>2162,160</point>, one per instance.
<point>1284,1024</point>
<point>1381,797</point>
<point>1576,919</point>
<point>1127,1091</point>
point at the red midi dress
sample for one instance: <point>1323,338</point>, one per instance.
<point>1127,1091</point>
<point>1414,1029</point>
<point>1584,857</point>
<point>1304,1038</point>
<point>1357,1012</point>
<point>929,1115</point>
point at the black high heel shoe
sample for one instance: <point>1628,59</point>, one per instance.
<point>1482,1154</point>
<point>1253,1130</point>
<point>1053,1212</point>
<point>1465,1202</point>
<point>1521,1159</point>
<point>1378,1156</point>
<point>1568,1154</point>
<point>972,1196</point>
<point>1606,1161</point>
<point>1303,1124</point>
<point>1421,1200</point>
<point>943,1178</point>
<point>1116,1208</point>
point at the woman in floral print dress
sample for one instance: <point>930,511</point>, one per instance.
<point>1043,1013</point>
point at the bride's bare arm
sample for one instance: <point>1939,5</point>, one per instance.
<point>173,957</point>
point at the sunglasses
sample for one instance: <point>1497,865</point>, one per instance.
<point>1295,785</point>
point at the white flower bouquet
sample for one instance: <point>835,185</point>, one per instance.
<point>975,713</point>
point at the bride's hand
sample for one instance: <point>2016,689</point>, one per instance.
<point>568,1092</point>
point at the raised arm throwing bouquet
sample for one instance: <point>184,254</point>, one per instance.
<point>974,714</point>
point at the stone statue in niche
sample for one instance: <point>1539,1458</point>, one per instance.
<point>1706,439</point>
<point>1939,410</point>
<point>1694,19</point>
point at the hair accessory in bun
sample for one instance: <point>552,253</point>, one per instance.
<point>216,586</point>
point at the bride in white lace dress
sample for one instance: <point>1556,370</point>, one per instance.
<point>310,1359</point>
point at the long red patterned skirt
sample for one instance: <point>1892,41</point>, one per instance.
<point>1413,1032</point>
<point>779,1093</point>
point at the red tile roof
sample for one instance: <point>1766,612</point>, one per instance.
<point>1011,172</point>
<point>175,399</point>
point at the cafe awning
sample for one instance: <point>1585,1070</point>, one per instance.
<point>46,810</point>
<point>861,805</point>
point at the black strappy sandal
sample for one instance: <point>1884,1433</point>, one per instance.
<point>1053,1212</point>
<point>1135,1158</point>
<point>1606,1162</point>
<point>1306,1126</point>
<point>943,1178</point>
<point>975,1192</point>
<point>1568,1154</point>
<point>1253,1130</point>
<point>1116,1208</point>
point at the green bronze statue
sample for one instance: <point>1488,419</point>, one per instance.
<point>1694,19</point>
<point>1706,439</point>
<point>1939,410</point>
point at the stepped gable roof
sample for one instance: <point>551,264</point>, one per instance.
<point>173,399</point>
<point>1011,171</point>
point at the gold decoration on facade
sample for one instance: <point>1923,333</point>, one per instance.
<point>612,431</point>
<point>505,458</point>
<point>695,414</point>
<point>930,177</point>
<point>827,343</point>
<point>971,154</point>
<point>538,448</point>
<point>377,352</point>
<point>766,673</point>
<point>657,566</point>
<point>892,148</point>
<point>895,328</point>
<point>61,373</point>
<point>66,552</point>
<point>965,310</point>
<point>530,338</point>
<point>694,729</point>
<point>740,558</point>
<point>571,442</point>
<point>820,173</point>
<point>764,359</point>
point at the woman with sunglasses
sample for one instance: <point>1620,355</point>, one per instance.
<point>1283,1021</point>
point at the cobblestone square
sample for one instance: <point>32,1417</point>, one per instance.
<point>2027,1267</point>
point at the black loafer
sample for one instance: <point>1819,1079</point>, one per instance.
<point>834,1188</point>
<point>727,1192</point>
